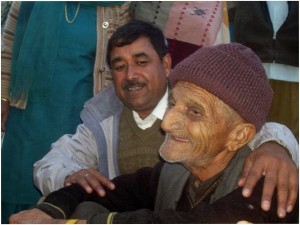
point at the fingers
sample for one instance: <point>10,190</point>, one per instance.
<point>280,172</point>
<point>245,172</point>
<point>293,189</point>
<point>270,182</point>
<point>91,180</point>
<point>94,184</point>
<point>29,217</point>
<point>282,190</point>
<point>79,178</point>
<point>97,180</point>
<point>286,181</point>
<point>248,178</point>
<point>252,172</point>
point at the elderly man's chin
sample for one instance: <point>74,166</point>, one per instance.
<point>169,153</point>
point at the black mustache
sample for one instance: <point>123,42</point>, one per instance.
<point>133,83</point>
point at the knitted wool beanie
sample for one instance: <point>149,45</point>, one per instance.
<point>234,74</point>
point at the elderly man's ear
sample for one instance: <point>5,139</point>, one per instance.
<point>240,136</point>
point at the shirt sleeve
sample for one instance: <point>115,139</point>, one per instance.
<point>280,134</point>
<point>67,155</point>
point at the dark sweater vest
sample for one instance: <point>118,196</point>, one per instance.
<point>253,28</point>
<point>138,148</point>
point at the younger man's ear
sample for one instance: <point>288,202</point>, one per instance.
<point>167,63</point>
<point>240,136</point>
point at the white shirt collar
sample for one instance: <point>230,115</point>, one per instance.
<point>157,113</point>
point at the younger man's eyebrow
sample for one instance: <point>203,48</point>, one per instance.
<point>136,55</point>
<point>115,60</point>
<point>141,54</point>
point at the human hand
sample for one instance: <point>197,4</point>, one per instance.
<point>4,114</point>
<point>91,180</point>
<point>272,161</point>
<point>30,217</point>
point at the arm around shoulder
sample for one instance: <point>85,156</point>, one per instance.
<point>278,133</point>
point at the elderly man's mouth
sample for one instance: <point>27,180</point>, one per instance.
<point>179,139</point>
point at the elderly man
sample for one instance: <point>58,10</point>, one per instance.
<point>219,101</point>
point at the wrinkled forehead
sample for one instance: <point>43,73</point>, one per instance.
<point>192,94</point>
<point>184,89</point>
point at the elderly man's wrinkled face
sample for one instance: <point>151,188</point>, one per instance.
<point>197,125</point>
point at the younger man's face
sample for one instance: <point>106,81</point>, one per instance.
<point>140,77</point>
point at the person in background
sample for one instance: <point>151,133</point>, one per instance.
<point>126,135</point>
<point>220,98</point>
<point>52,61</point>
<point>271,30</point>
<point>206,20</point>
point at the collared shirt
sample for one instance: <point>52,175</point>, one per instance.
<point>157,113</point>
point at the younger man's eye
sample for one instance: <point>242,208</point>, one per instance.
<point>142,63</point>
<point>119,68</point>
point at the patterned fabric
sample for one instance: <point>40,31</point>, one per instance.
<point>206,21</point>
<point>7,46</point>
<point>5,7</point>
<point>187,25</point>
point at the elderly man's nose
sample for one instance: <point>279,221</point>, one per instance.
<point>172,120</point>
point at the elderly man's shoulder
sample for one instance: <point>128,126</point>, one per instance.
<point>237,206</point>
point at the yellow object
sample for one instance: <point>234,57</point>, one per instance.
<point>110,217</point>
<point>72,221</point>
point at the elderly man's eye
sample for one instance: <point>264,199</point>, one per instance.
<point>196,112</point>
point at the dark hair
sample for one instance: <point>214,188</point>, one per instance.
<point>133,30</point>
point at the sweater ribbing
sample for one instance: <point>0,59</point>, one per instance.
<point>138,148</point>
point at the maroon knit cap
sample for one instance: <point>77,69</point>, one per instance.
<point>234,74</point>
